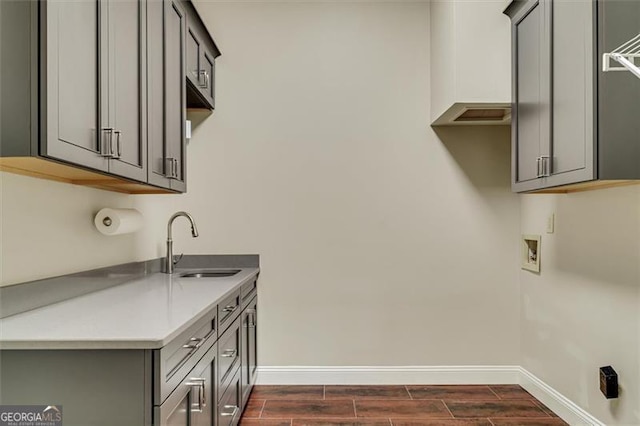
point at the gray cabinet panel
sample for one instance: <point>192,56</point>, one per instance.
<point>249,349</point>
<point>16,81</point>
<point>208,75</point>
<point>156,95</point>
<point>125,86</point>
<point>618,95</point>
<point>70,46</point>
<point>572,72</point>
<point>175,98</point>
<point>193,56</point>
<point>175,91</point>
<point>100,388</point>
<point>529,87</point>
<point>166,94</point>
<point>180,415</point>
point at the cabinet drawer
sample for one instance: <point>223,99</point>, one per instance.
<point>229,351</point>
<point>229,405</point>
<point>176,359</point>
<point>228,310</point>
<point>192,400</point>
<point>248,291</point>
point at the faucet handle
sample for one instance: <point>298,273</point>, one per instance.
<point>179,258</point>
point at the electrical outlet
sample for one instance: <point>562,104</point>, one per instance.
<point>551,223</point>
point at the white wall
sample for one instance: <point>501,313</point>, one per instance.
<point>374,232</point>
<point>582,311</point>
<point>46,229</point>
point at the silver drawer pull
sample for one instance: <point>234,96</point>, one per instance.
<point>194,342</point>
<point>229,353</point>
<point>230,308</point>
<point>233,412</point>
<point>200,383</point>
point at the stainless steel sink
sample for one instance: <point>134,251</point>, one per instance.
<point>211,274</point>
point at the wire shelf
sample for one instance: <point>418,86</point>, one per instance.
<point>625,55</point>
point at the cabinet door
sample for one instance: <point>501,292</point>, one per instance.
<point>531,92</point>
<point>249,349</point>
<point>194,56</point>
<point>229,410</point>
<point>180,414</point>
<point>203,406</point>
<point>123,101</point>
<point>175,411</point>
<point>175,98</point>
<point>165,81</point>
<point>70,82</point>
<point>572,104</point>
<point>208,75</point>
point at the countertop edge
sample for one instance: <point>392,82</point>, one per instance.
<point>152,343</point>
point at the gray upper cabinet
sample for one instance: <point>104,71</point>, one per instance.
<point>98,92</point>
<point>569,132</point>
<point>200,63</point>
<point>123,65</point>
<point>94,59</point>
<point>71,79</point>
<point>166,107</point>
<point>531,91</point>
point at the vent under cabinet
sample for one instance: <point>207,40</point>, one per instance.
<point>468,114</point>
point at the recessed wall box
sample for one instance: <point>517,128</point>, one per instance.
<point>531,252</point>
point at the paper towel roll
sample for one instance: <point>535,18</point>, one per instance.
<point>118,221</point>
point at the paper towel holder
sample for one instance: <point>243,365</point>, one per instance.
<point>115,221</point>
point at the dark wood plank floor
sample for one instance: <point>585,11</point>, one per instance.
<point>442,405</point>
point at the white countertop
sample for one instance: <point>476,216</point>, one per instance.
<point>146,313</point>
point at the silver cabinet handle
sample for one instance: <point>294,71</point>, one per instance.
<point>106,143</point>
<point>200,383</point>
<point>230,308</point>
<point>546,167</point>
<point>234,411</point>
<point>205,74</point>
<point>543,167</point>
<point>252,315</point>
<point>229,353</point>
<point>171,168</point>
<point>118,150</point>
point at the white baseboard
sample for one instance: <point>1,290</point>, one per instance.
<point>430,375</point>
<point>569,411</point>
<point>480,374</point>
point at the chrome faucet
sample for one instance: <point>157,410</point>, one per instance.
<point>169,263</point>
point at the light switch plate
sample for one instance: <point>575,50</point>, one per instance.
<point>551,223</point>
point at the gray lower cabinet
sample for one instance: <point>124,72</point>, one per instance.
<point>166,94</point>
<point>574,126</point>
<point>192,403</point>
<point>198,379</point>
